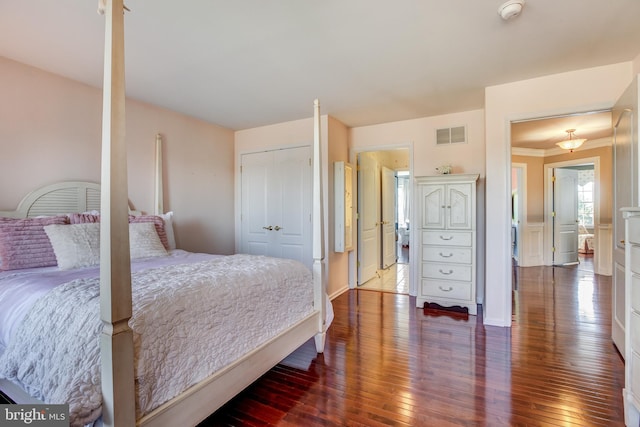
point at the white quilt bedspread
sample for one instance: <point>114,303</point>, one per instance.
<point>189,320</point>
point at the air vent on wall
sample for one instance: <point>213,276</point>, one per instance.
<point>453,135</point>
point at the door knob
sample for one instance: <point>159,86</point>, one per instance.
<point>277,227</point>
<point>268,228</point>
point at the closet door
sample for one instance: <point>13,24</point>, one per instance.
<point>291,205</point>
<point>257,187</point>
<point>276,204</point>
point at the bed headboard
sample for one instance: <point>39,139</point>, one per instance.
<point>60,198</point>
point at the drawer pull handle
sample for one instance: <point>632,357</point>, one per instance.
<point>445,290</point>
<point>446,256</point>
<point>445,237</point>
<point>445,272</point>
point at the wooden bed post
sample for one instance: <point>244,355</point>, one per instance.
<point>159,192</point>
<point>318,234</point>
<point>116,341</point>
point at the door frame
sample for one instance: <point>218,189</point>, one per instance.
<point>353,255</point>
<point>548,201</point>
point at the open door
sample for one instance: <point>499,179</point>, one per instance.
<point>625,183</point>
<point>389,245</point>
<point>368,217</point>
<point>565,220</point>
<point>518,194</point>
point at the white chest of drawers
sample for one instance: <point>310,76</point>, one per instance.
<point>446,216</point>
<point>632,316</point>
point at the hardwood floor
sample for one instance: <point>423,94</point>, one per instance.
<point>389,363</point>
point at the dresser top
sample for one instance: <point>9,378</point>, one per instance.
<point>452,177</point>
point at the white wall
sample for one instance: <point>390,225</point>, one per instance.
<point>420,136</point>
<point>51,131</point>
<point>465,158</point>
<point>578,91</point>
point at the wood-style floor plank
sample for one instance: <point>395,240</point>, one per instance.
<point>388,363</point>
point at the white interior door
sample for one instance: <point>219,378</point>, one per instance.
<point>292,205</point>
<point>389,243</point>
<point>368,217</point>
<point>256,183</point>
<point>276,204</point>
<point>625,168</point>
<point>565,221</point>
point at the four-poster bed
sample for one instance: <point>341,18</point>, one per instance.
<point>120,345</point>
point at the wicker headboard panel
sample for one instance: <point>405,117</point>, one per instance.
<point>60,198</point>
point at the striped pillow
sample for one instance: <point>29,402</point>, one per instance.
<point>24,243</point>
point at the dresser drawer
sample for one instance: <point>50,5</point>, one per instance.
<point>449,290</point>
<point>446,254</point>
<point>447,238</point>
<point>446,271</point>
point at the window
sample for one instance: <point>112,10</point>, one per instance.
<point>585,197</point>
<point>403,200</point>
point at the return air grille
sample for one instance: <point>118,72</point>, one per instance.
<point>453,135</point>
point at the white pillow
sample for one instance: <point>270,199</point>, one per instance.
<point>78,245</point>
<point>168,228</point>
<point>144,241</point>
<point>75,245</point>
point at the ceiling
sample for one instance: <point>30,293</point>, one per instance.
<point>544,133</point>
<point>247,63</point>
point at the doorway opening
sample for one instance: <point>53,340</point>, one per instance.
<point>535,156</point>
<point>384,218</point>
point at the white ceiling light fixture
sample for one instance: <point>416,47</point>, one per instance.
<point>510,9</point>
<point>571,143</point>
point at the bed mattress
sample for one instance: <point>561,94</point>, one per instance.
<point>192,315</point>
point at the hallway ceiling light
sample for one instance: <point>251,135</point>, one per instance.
<point>571,143</point>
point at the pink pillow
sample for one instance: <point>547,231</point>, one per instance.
<point>24,243</point>
<point>158,222</point>
<point>83,218</point>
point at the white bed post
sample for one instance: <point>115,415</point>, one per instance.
<point>116,341</point>
<point>159,193</point>
<point>318,235</point>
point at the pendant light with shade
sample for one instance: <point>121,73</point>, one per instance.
<point>571,143</point>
